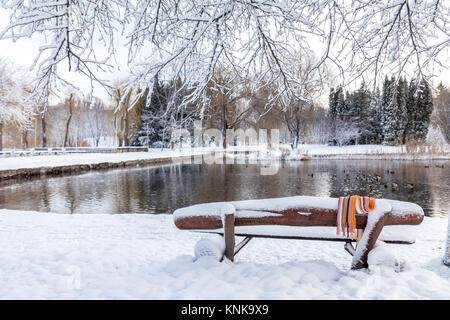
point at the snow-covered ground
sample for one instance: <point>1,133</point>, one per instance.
<point>373,151</point>
<point>56,256</point>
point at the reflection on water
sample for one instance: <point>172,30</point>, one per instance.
<point>163,189</point>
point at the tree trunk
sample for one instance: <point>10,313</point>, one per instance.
<point>126,134</point>
<point>24,138</point>
<point>224,127</point>
<point>447,248</point>
<point>68,121</point>
<point>44,137</point>
<point>1,136</point>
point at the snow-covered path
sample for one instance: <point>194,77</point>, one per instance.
<point>56,256</point>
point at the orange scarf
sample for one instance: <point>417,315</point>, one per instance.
<point>346,217</point>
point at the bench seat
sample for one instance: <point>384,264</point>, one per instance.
<point>389,234</point>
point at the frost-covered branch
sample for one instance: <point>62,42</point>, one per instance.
<point>187,40</point>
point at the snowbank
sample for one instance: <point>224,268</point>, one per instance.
<point>371,151</point>
<point>56,256</point>
<point>91,158</point>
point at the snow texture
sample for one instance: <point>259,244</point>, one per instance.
<point>257,208</point>
<point>213,247</point>
<point>380,255</point>
<point>56,256</point>
<point>401,207</point>
<point>263,207</point>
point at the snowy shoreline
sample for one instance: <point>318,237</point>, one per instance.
<point>35,166</point>
<point>368,152</point>
<point>133,256</point>
<point>20,167</point>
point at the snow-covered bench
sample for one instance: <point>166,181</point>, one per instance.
<point>293,217</point>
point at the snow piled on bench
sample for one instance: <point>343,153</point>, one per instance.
<point>401,207</point>
<point>89,256</point>
<point>263,207</point>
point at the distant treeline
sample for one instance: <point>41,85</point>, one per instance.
<point>399,114</point>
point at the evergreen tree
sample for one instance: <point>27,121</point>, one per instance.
<point>394,115</point>
<point>374,129</point>
<point>411,106</point>
<point>387,121</point>
<point>401,111</point>
<point>424,108</point>
<point>335,110</point>
<point>359,112</point>
<point>332,103</point>
<point>344,106</point>
<point>152,115</point>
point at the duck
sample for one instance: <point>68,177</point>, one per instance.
<point>384,183</point>
<point>394,187</point>
<point>410,186</point>
<point>372,187</point>
<point>334,176</point>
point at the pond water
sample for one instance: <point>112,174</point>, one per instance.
<point>162,189</point>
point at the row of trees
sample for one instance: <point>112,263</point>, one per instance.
<point>402,112</point>
<point>78,120</point>
<point>192,40</point>
<point>235,105</point>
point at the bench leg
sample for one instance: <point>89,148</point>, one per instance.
<point>349,248</point>
<point>366,243</point>
<point>242,244</point>
<point>229,236</point>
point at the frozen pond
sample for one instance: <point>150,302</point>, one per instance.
<point>162,189</point>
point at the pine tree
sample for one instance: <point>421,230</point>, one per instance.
<point>411,102</point>
<point>335,110</point>
<point>394,114</point>
<point>424,108</point>
<point>387,121</point>
<point>151,115</point>
<point>401,111</point>
<point>332,103</point>
<point>359,111</point>
<point>374,129</point>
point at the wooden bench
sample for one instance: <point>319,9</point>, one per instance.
<point>293,217</point>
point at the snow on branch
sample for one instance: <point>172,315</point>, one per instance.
<point>73,29</point>
<point>187,40</point>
